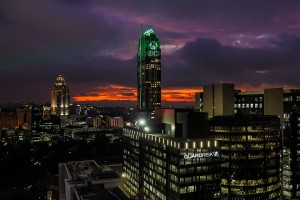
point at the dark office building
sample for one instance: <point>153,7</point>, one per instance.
<point>250,149</point>
<point>149,72</point>
<point>37,117</point>
<point>50,126</point>
<point>291,156</point>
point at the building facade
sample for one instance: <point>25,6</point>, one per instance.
<point>218,99</point>
<point>284,103</point>
<point>94,121</point>
<point>8,120</point>
<point>160,167</point>
<point>250,154</point>
<point>183,123</point>
<point>24,117</point>
<point>116,122</point>
<point>149,72</point>
<point>291,156</point>
<point>37,117</point>
<point>60,98</point>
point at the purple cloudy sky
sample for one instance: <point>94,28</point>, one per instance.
<point>92,43</point>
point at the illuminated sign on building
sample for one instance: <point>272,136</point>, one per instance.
<point>201,155</point>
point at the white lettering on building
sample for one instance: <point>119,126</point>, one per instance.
<point>201,155</point>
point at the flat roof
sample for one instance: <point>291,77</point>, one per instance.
<point>89,169</point>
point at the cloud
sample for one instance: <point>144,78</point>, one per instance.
<point>207,61</point>
<point>261,71</point>
<point>93,44</point>
<point>109,92</point>
<point>131,94</point>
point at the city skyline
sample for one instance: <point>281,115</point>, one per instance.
<point>93,44</point>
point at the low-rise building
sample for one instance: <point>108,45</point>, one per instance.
<point>80,180</point>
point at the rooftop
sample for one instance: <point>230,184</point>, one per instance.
<point>171,141</point>
<point>89,169</point>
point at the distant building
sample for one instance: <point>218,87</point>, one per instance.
<point>49,126</point>
<point>82,132</point>
<point>13,136</point>
<point>94,121</point>
<point>116,122</point>
<point>250,154</point>
<point>37,117</point>
<point>80,180</point>
<point>218,99</point>
<point>8,136</point>
<point>46,111</point>
<point>24,117</point>
<point>8,120</point>
<point>60,98</point>
<point>149,72</point>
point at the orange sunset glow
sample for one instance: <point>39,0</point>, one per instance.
<point>123,93</point>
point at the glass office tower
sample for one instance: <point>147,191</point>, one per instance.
<point>250,148</point>
<point>253,103</point>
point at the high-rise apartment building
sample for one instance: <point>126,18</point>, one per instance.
<point>116,122</point>
<point>149,72</point>
<point>94,121</point>
<point>60,98</point>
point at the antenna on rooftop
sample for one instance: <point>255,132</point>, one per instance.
<point>142,29</point>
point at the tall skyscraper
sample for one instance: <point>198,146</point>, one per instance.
<point>60,98</point>
<point>149,72</point>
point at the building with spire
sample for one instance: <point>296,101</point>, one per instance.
<point>60,98</point>
<point>149,72</point>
